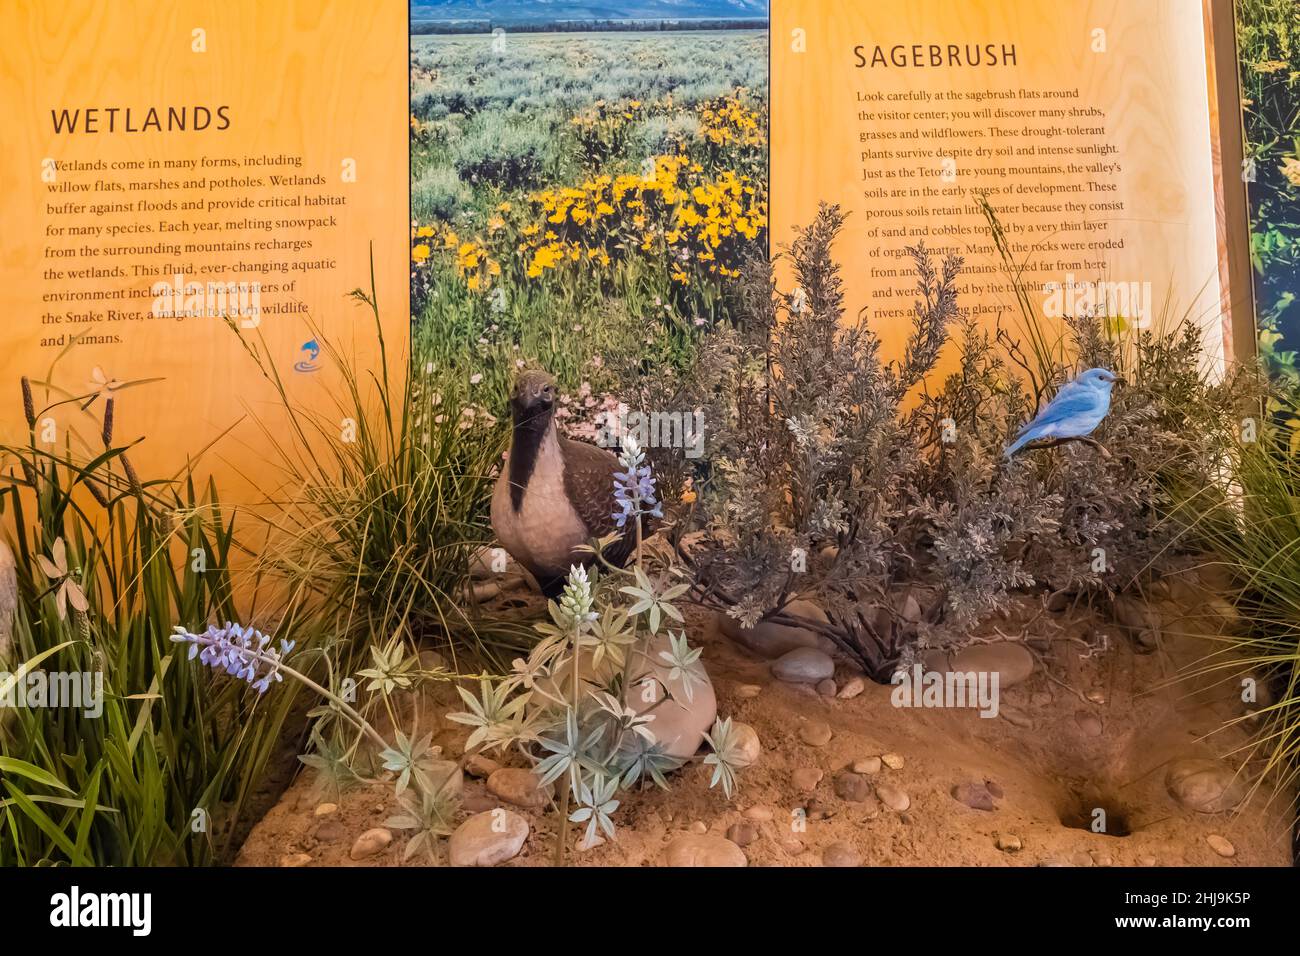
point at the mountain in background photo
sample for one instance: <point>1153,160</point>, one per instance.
<point>532,11</point>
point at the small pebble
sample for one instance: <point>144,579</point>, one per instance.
<point>868,765</point>
<point>815,733</point>
<point>748,748</point>
<point>481,766</point>
<point>746,691</point>
<point>1090,724</point>
<point>699,826</point>
<point>520,787</point>
<point>841,854</point>
<point>852,787</point>
<point>761,814</point>
<point>331,831</point>
<point>325,809</point>
<point>806,778</point>
<point>893,798</point>
<point>1008,843</point>
<point>816,810</point>
<point>892,761</point>
<point>1220,845</point>
<point>742,834</point>
<point>371,842</point>
<point>852,688</point>
<point>295,860</point>
<point>974,795</point>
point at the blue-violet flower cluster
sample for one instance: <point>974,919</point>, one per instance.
<point>634,489</point>
<point>242,652</point>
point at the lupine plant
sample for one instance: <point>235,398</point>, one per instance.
<point>582,706</point>
<point>422,783</point>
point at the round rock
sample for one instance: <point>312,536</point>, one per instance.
<point>693,849</point>
<point>743,833</point>
<point>371,842</point>
<point>748,748</point>
<point>974,795</point>
<point>803,665</point>
<point>487,839</point>
<point>1206,786</point>
<point>815,733</point>
<point>852,787</point>
<point>893,798</point>
<point>1011,662</point>
<point>1220,845</point>
<point>806,778</point>
<point>841,854</point>
<point>680,722</point>
<point>770,640</point>
<point>520,787</point>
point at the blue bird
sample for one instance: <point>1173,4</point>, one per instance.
<point>1077,409</point>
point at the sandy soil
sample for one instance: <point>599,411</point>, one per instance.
<point>1091,728</point>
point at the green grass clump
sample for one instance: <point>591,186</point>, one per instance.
<point>168,772</point>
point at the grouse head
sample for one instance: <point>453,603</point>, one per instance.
<point>533,401</point>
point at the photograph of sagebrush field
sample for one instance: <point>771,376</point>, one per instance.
<point>653,560</point>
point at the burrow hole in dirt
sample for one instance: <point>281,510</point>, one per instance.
<point>1096,812</point>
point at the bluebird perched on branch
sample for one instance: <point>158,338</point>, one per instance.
<point>1077,409</point>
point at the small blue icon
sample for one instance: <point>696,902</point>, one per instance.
<point>308,364</point>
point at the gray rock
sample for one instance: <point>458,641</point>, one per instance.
<point>487,839</point>
<point>1206,786</point>
<point>694,849</point>
<point>803,665</point>
<point>770,640</point>
<point>680,722</point>
<point>331,831</point>
<point>974,795</point>
<point>852,787</point>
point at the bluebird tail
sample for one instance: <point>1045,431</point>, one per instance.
<point>1016,445</point>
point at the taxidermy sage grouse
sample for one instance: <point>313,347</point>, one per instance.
<point>554,494</point>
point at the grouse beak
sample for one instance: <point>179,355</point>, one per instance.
<point>534,398</point>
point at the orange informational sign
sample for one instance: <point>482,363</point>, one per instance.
<point>178,171</point>
<point>1089,124</point>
